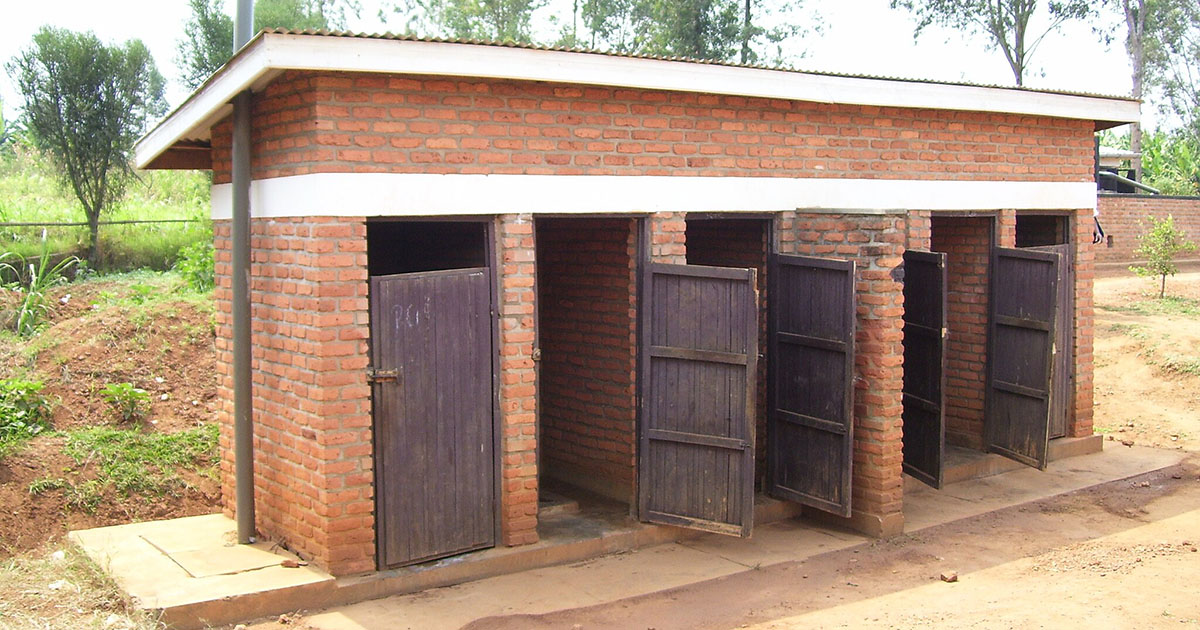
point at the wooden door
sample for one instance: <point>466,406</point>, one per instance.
<point>699,352</point>
<point>811,381</point>
<point>924,365</point>
<point>1021,342</point>
<point>1064,341</point>
<point>431,352</point>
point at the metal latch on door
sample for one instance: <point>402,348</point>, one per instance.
<point>382,376</point>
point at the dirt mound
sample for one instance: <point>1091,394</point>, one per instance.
<point>147,331</point>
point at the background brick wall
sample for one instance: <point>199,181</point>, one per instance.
<point>312,415</point>
<point>741,243</point>
<point>309,122</point>
<point>876,244</point>
<point>1125,217</point>
<point>587,333</point>
<point>967,243</point>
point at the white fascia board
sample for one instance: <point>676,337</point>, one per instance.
<point>277,52</point>
<point>416,194</point>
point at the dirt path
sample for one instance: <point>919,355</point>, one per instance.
<point>1122,555</point>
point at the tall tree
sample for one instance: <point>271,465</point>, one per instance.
<point>1173,66</point>
<point>208,34</point>
<point>493,20</point>
<point>1135,14</point>
<point>85,104</point>
<point>1005,23</point>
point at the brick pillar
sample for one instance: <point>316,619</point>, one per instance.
<point>1006,228</point>
<point>876,244</point>
<point>1080,424</point>
<point>312,410</point>
<point>518,395</point>
<point>668,238</point>
<point>920,229</point>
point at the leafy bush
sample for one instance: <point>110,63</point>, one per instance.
<point>196,264</point>
<point>24,412</point>
<point>130,403</point>
<point>1159,245</point>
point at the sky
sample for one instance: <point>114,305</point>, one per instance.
<point>858,37</point>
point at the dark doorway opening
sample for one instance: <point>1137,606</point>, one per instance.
<point>432,375</point>
<point>587,380</point>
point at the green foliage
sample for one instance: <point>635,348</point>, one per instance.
<point>208,34</point>
<point>136,463</point>
<point>207,42</point>
<point>32,281</point>
<point>1170,159</point>
<point>24,412</point>
<point>85,104</point>
<point>196,264</point>
<point>1159,246</point>
<point>1173,62</point>
<point>1005,23</point>
<point>129,402</point>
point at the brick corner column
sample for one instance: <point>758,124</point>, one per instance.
<point>518,391</point>
<point>1081,408</point>
<point>668,238</point>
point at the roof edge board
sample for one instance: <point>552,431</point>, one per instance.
<point>271,53</point>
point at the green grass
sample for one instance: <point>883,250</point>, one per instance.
<point>30,193</point>
<point>1169,305</point>
<point>132,463</point>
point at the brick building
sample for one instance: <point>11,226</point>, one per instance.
<point>483,271</point>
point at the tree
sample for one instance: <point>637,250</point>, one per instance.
<point>1173,66</point>
<point>1005,23</point>
<point>1159,245</point>
<point>493,20</point>
<point>85,104</point>
<point>208,34</point>
<point>207,42</point>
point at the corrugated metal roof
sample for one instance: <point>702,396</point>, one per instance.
<point>710,62</point>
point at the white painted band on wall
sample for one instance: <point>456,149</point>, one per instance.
<point>418,194</point>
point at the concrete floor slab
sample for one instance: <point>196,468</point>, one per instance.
<point>173,575</point>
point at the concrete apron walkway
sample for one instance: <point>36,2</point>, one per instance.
<point>191,571</point>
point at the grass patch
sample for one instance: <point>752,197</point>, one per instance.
<point>60,588</point>
<point>1169,305</point>
<point>132,463</point>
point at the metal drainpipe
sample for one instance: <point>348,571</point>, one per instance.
<point>243,406</point>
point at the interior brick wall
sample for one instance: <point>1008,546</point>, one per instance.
<point>312,413</point>
<point>876,244</point>
<point>309,122</point>
<point>967,243</point>
<point>587,334</point>
<point>1125,217</point>
<point>739,243</point>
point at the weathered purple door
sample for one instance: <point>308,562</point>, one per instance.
<point>1021,343</point>
<point>431,354</point>
<point>811,381</point>
<point>924,365</point>
<point>699,352</point>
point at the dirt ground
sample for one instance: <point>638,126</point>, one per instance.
<point>1120,555</point>
<point>96,337</point>
<point>1147,379</point>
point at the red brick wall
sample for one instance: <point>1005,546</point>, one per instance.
<point>328,122</point>
<point>587,333</point>
<point>876,244</point>
<point>739,243</point>
<point>1125,217</point>
<point>518,381</point>
<point>1080,418</point>
<point>967,244</point>
<point>312,415</point>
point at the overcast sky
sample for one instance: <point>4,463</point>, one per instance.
<point>858,37</point>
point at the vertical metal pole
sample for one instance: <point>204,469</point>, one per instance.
<point>243,404</point>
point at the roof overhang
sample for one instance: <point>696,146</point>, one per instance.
<point>173,142</point>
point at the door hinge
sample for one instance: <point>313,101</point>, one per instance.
<point>382,376</point>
